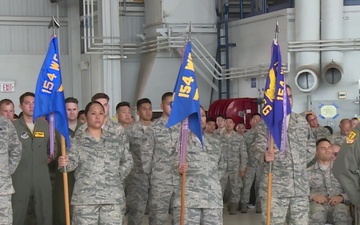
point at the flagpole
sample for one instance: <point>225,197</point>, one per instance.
<point>183,151</point>
<point>66,185</point>
<point>55,25</point>
<point>269,189</point>
<point>271,150</point>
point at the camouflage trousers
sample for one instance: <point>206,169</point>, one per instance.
<point>231,182</point>
<point>6,215</point>
<point>199,216</point>
<point>338,214</point>
<point>97,215</point>
<point>160,199</point>
<point>297,209</point>
<point>251,174</point>
<point>137,194</point>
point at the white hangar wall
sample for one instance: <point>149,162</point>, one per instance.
<point>25,37</point>
<point>253,37</point>
<point>153,70</point>
<point>24,41</point>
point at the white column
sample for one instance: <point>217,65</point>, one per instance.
<point>332,29</point>
<point>111,69</point>
<point>307,27</point>
<point>74,49</point>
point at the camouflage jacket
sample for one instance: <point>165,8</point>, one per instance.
<point>324,182</point>
<point>290,177</point>
<point>101,168</point>
<point>234,149</point>
<point>320,132</point>
<point>109,126</point>
<point>135,135</point>
<point>337,138</point>
<point>205,168</point>
<point>220,131</point>
<point>159,153</point>
<point>10,155</point>
<point>249,138</point>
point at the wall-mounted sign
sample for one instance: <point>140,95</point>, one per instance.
<point>253,82</point>
<point>7,86</point>
<point>328,111</point>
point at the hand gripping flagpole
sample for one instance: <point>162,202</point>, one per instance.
<point>183,152</point>
<point>271,150</point>
<point>55,25</point>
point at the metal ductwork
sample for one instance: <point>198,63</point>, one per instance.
<point>332,29</point>
<point>164,30</point>
<point>307,78</point>
<point>307,28</point>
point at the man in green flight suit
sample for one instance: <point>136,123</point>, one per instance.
<point>72,110</point>
<point>347,166</point>
<point>31,178</point>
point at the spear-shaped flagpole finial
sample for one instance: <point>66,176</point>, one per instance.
<point>189,32</point>
<point>54,25</point>
<point>277,31</point>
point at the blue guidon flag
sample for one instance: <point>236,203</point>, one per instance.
<point>49,93</point>
<point>276,102</point>
<point>186,96</point>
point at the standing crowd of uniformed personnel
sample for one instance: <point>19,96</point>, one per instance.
<point>121,166</point>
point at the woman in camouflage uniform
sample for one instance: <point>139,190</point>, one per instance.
<point>102,162</point>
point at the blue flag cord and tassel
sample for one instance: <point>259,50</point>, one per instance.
<point>49,93</point>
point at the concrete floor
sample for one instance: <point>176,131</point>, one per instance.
<point>250,218</point>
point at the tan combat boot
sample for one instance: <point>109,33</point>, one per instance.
<point>258,208</point>
<point>243,208</point>
<point>233,208</point>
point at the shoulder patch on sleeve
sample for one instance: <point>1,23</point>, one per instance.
<point>350,139</point>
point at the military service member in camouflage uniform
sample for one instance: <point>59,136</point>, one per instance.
<point>220,122</point>
<point>109,125</point>
<point>252,170</point>
<point>10,155</point>
<point>210,126</point>
<point>137,183</point>
<point>354,122</point>
<point>240,128</point>
<point>318,131</point>
<point>123,114</point>
<point>159,154</point>
<point>327,198</point>
<point>233,147</point>
<point>31,178</point>
<point>290,183</point>
<point>102,162</point>
<point>340,137</point>
<point>206,165</point>
<point>7,109</point>
<point>72,110</point>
